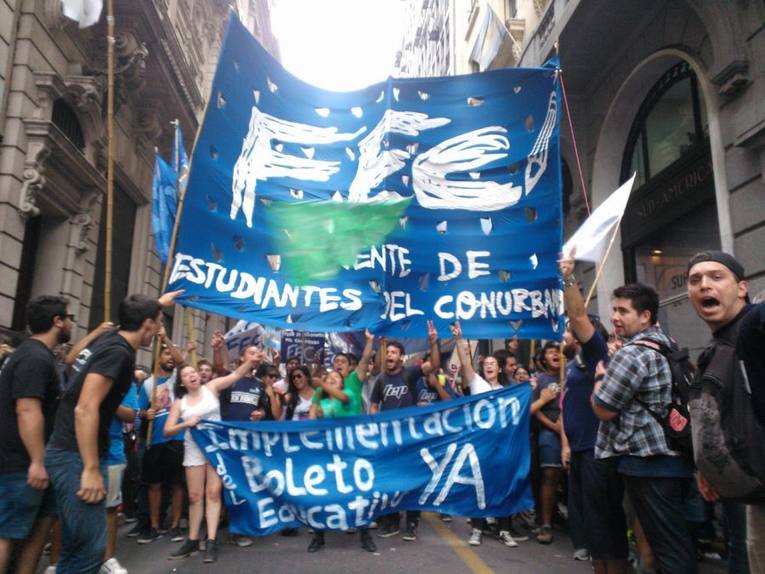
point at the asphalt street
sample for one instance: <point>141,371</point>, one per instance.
<point>441,548</point>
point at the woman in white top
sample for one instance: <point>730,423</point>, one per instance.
<point>300,394</point>
<point>200,402</point>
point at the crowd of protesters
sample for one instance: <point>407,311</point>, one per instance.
<point>85,435</point>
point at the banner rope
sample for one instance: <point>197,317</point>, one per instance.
<point>573,141</point>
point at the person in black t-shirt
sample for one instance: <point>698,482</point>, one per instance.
<point>76,454</point>
<point>397,388</point>
<point>29,388</point>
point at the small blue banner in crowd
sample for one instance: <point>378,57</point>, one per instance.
<point>466,457</point>
<point>471,163</point>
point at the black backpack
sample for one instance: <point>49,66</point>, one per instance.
<point>675,420</point>
<point>728,436</point>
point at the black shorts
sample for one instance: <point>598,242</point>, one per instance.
<point>163,463</point>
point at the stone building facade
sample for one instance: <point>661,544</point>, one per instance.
<point>672,90</point>
<point>53,146</point>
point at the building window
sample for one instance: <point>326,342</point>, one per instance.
<point>670,122</point>
<point>66,120</point>
<point>672,212</point>
<point>122,247</point>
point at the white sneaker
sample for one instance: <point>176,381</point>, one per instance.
<point>50,570</point>
<point>242,541</point>
<point>112,566</point>
<point>506,539</point>
<point>475,537</point>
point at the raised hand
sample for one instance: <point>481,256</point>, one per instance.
<point>432,332</point>
<point>217,341</point>
<point>167,299</point>
<point>566,264</point>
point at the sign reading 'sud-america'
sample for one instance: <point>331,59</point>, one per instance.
<point>467,457</point>
<point>478,155</point>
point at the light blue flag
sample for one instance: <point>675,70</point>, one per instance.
<point>180,159</point>
<point>164,205</point>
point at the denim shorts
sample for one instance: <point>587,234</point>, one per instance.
<point>549,449</point>
<point>21,505</point>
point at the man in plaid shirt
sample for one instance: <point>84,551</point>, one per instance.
<point>656,478</point>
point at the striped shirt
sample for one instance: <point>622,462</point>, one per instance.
<point>635,371</point>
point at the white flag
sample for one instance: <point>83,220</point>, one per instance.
<point>590,240</point>
<point>85,12</point>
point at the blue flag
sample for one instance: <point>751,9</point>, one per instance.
<point>164,205</point>
<point>477,157</point>
<point>467,457</point>
<point>180,160</point>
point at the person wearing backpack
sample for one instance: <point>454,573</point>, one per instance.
<point>628,398</point>
<point>727,403</point>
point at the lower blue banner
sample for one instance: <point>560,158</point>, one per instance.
<point>466,457</point>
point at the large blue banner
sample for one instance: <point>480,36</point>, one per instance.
<point>467,457</point>
<point>478,155</point>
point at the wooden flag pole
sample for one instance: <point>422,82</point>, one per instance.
<point>190,334</point>
<point>599,272</point>
<point>109,159</point>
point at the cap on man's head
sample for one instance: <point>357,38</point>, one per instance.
<point>719,257</point>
